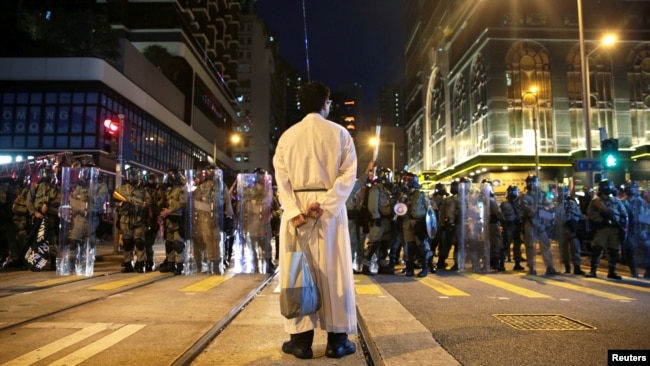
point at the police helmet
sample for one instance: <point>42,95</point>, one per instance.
<point>487,184</point>
<point>45,174</point>
<point>632,188</point>
<point>512,192</point>
<point>440,189</point>
<point>174,177</point>
<point>151,179</point>
<point>467,182</point>
<point>133,175</point>
<point>410,180</point>
<point>532,182</point>
<point>606,187</point>
<point>384,176</point>
<point>86,172</point>
<point>453,187</point>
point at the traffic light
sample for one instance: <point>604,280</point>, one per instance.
<point>112,137</point>
<point>609,153</point>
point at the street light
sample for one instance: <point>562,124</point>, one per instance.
<point>374,142</point>
<point>586,94</point>
<point>529,99</point>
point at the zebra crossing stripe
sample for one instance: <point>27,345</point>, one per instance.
<point>441,287</point>
<point>506,286</point>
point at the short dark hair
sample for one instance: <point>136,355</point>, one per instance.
<point>312,96</point>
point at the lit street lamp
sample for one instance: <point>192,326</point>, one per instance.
<point>374,142</point>
<point>529,99</point>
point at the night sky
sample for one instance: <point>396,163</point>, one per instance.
<point>350,41</point>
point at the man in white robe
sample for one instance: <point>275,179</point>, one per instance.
<point>315,165</point>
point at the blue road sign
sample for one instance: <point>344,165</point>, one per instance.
<point>588,165</point>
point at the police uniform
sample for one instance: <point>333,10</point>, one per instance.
<point>257,225</point>
<point>513,226</point>
<point>534,205</point>
<point>379,234</point>
<point>449,226</point>
<point>414,228</point>
<point>20,219</point>
<point>173,212</point>
<point>636,247</point>
<point>132,215</point>
<point>45,194</point>
<point>151,220</point>
<point>610,220</point>
<point>569,242</point>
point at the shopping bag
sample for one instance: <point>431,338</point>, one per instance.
<point>298,288</point>
<point>298,293</point>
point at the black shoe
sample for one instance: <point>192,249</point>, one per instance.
<point>139,267</point>
<point>567,268</point>
<point>387,269</point>
<point>550,271</point>
<point>408,272</point>
<point>300,345</point>
<point>148,267</point>
<point>646,274</point>
<point>454,267</point>
<point>532,272</point>
<point>338,345</point>
<point>300,352</point>
<point>517,267</point>
<point>423,273</point>
<point>366,271</point>
<point>614,276</point>
<point>179,269</point>
<point>128,268</point>
<point>591,275</point>
<point>166,267</point>
<point>578,271</point>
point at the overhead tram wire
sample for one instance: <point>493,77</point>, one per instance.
<point>304,19</point>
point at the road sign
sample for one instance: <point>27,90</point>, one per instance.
<point>588,165</point>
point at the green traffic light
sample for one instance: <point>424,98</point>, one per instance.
<point>610,161</point>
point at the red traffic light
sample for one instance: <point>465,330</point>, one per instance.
<point>112,127</point>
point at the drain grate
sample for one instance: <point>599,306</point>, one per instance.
<point>542,322</point>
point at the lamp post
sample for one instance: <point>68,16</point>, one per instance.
<point>586,93</point>
<point>375,142</point>
<point>529,99</point>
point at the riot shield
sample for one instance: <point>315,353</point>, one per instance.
<point>82,201</point>
<point>207,217</point>
<point>539,228</point>
<point>476,246</point>
<point>461,227</point>
<point>190,265</point>
<point>254,216</point>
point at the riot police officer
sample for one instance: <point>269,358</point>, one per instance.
<point>449,226</point>
<point>570,216</point>
<point>513,227</point>
<point>637,240</point>
<point>43,203</point>
<point>173,212</point>
<point>255,219</point>
<point>414,227</point>
<point>153,187</point>
<point>380,207</point>
<point>610,218</point>
<point>537,211</point>
<point>495,221</point>
<point>133,206</point>
<point>20,215</point>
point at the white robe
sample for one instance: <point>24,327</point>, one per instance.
<point>319,154</point>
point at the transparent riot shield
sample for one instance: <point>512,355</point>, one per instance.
<point>190,258</point>
<point>82,201</point>
<point>461,227</point>
<point>207,216</point>
<point>475,207</point>
<point>539,229</point>
<point>254,216</point>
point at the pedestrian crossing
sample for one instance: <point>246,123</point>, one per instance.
<point>444,285</point>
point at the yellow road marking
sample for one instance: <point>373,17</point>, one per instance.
<point>128,281</point>
<point>618,284</point>
<point>506,286</point>
<point>441,287</point>
<point>64,279</point>
<point>100,345</point>
<point>366,286</point>
<point>54,347</point>
<point>586,290</point>
<point>206,284</point>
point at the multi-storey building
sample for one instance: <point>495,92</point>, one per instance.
<point>169,68</point>
<point>494,89</point>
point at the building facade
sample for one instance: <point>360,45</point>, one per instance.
<point>493,89</point>
<point>172,81</point>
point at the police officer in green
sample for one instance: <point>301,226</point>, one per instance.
<point>570,216</point>
<point>133,202</point>
<point>173,212</point>
<point>20,214</point>
<point>610,220</point>
<point>380,206</point>
<point>414,227</point>
<point>43,203</point>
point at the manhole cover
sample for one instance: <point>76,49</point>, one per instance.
<point>542,322</point>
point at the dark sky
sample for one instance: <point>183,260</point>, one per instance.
<point>349,40</point>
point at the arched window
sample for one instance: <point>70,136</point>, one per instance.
<point>638,78</point>
<point>478,102</point>
<point>601,101</point>
<point>528,73</point>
